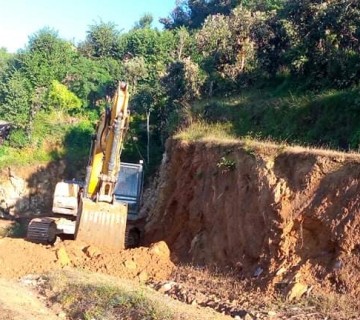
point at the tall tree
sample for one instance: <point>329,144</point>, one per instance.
<point>144,22</point>
<point>102,40</point>
<point>5,58</point>
<point>15,99</point>
<point>46,57</point>
<point>192,13</point>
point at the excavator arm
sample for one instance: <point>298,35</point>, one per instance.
<point>104,162</point>
<point>101,220</point>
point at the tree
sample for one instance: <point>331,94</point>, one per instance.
<point>102,40</point>
<point>5,59</point>
<point>325,35</point>
<point>144,103</point>
<point>153,45</point>
<point>183,81</point>
<point>184,42</point>
<point>135,70</point>
<point>227,43</point>
<point>263,5</point>
<point>15,99</point>
<point>46,58</point>
<point>91,80</point>
<point>144,22</point>
<point>192,13</point>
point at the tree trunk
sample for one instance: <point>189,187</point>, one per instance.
<point>148,136</point>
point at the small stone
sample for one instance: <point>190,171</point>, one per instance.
<point>63,257</point>
<point>143,276</point>
<point>272,313</point>
<point>161,249</point>
<point>62,315</point>
<point>247,317</point>
<point>30,280</point>
<point>296,291</point>
<point>166,287</point>
<point>129,264</point>
<point>258,271</point>
<point>92,252</point>
<point>281,271</point>
<point>337,264</point>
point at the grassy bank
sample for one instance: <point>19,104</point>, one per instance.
<point>329,118</point>
<point>95,296</point>
<point>54,136</point>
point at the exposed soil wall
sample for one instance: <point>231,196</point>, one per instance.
<point>29,190</point>
<point>282,213</point>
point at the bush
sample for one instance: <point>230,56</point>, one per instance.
<point>18,138</point>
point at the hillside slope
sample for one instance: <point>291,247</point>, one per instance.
<point>280,214</point>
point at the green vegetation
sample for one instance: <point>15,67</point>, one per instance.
<point>88,296</point>
<point>226,164</point>
<point>104,301</point>
<point>329,118</point>
<point>203,130</point>
<point>278,69</point>
<point>13,230</point>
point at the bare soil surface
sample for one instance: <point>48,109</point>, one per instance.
<point>20,303</point>
<point>24,261</point>
<point>19,258</point>
<point>228,293</point>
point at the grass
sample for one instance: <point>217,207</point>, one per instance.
<point>229,285</point>
<point>210,131</point>
<point>4,232</point>
<point>94,296</point>
<point>222,133</point>
<point>318,306</point>
<point>53,137</point>
<point>14,157</point>
<point>104,301</point>
<point>323,119</point>
<point>336,306</point>
<point>87,298</point>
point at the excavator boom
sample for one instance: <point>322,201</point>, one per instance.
<point>101,220</point>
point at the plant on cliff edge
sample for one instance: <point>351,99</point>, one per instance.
<point>226,164</point>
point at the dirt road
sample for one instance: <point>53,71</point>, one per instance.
<point>19,303</point>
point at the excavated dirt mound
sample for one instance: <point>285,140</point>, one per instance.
<point>287,217</point>
<point>19,258</point>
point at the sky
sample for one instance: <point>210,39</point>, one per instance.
<point>71,18</point>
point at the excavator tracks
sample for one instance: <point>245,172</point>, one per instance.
<point>42,230</point>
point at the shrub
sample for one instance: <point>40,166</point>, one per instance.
<point>18,138</point>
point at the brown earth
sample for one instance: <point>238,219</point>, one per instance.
<point>19,258</point>
<point>281,215</point>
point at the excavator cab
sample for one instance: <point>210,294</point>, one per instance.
<point>129,187</point>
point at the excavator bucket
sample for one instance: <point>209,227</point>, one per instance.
<point>102,224</point>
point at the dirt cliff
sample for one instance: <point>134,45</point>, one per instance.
<point>28,190</point>
<point>278,213</point>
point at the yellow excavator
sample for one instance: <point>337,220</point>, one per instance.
<point>96,211</point>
